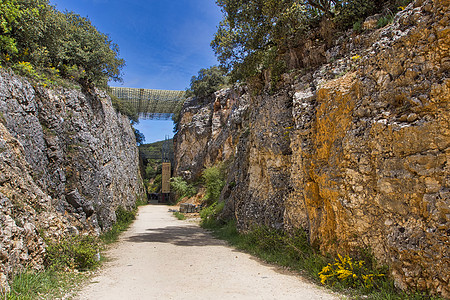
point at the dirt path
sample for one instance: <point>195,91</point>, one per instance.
<point>160,257</point>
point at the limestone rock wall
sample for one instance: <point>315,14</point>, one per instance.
<point>67,161</point>
<point>356,152</point>
<point>208,131</point>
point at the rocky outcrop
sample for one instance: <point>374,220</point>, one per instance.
<point>355,152</point>
<point>208,131</point>
<point>67,161</point>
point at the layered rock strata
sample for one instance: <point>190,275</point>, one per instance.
<point>67,161</point>
<point>356,152</point>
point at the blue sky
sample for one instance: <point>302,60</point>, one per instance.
<point>164,43</point>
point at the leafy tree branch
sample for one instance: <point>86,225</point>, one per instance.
<point>32,31</point>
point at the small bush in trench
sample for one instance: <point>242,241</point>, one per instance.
<point>213,178</point>
<point>179,215</point>
<point>182,188</point>
<point>209,214</point>
<point>82,252</point>
<point>73,252</point>
<point>124,218</point>
<point>349,272</point>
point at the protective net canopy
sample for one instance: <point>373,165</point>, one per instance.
<point>150,104</point>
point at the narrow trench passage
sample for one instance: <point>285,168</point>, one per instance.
<point>160,257</point>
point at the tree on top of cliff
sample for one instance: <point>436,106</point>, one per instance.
<point>253,33</point>
<point>90,49</point>
<point>252,29</point>
<point>38,40</point>
<point>207,82</point>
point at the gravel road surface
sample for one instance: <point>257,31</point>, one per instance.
<point>160,257</point>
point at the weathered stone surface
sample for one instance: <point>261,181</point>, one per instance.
<point>188,208</point>
<point>67,161</point>
<point>356,152</point>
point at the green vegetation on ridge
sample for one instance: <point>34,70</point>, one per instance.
<point>38,41</point>
<point>207,82</point>
<point>255,36</point>
<point>258,38</point>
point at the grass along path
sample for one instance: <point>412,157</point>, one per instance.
<point>160,257</point>
<point>65,260</point>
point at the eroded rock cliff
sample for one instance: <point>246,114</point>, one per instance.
<point>67,161</point>
<point>356,152</point>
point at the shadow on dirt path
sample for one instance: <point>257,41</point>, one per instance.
<point>160,257</point>
<point>176,235</point>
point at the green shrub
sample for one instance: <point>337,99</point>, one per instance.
<point>357,26</point>
<point>125,217</point>
<point>294,245</point>
<point>213,178</point>
<point>385,20</point>
<point>283,248</point>
<point>182,188</point>
<point>349,273</point>
<point>74,252</point>
<point>123,220</point>
<point>209,215</point>
<point>207,82</point>
<point>179,215</point>
<point>26,69</point>
<point>140,201</point>
<point>354,11</point>
<point>48,284</point>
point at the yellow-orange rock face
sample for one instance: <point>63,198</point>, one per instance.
<point>356,152</point>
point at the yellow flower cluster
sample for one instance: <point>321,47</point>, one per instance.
<point>26,66</point>
<point>347,271</point>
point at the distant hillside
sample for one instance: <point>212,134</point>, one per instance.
<point>152,155</point>
<point>154,150</point>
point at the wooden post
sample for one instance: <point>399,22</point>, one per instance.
<point>166,170</point>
